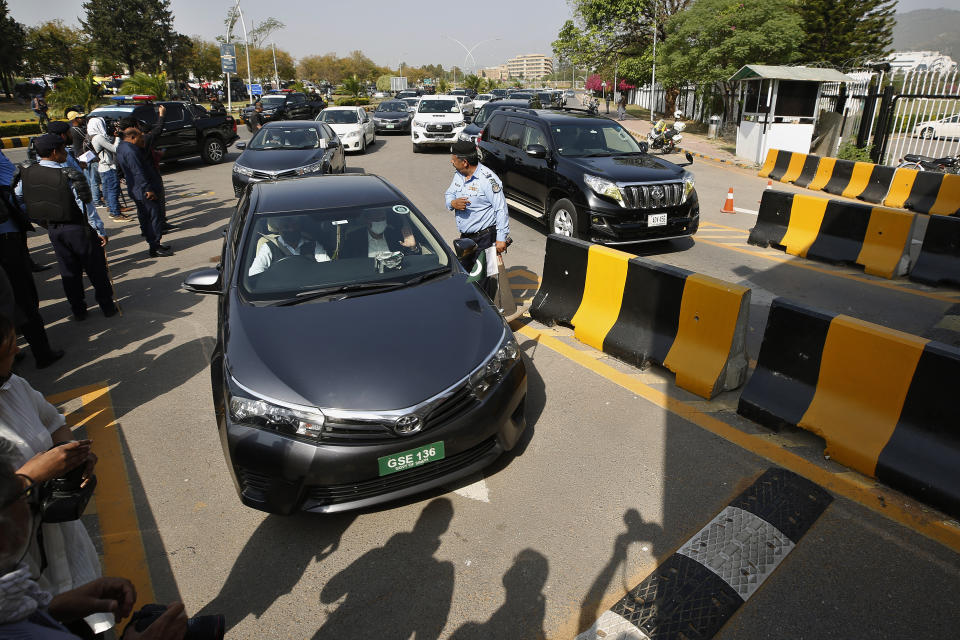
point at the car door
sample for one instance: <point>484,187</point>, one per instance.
<point>299,109</point>
<point>530,176</point>
<point>950,128</point>
<point>179,135</point>
<point>337,159</point>
<point>511,139</point>
<point>366,123</point>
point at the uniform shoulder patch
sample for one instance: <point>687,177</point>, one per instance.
<point>495,184</point>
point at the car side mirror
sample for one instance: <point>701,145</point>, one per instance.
<point>536,151</point>
<point>241,145</point>
<point>689,161</point>
<point>466,251</point>
<point>203,281</point>
<point>644,147</point>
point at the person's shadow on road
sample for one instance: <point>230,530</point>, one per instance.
<point>524,609</point>
<point>289,543</point>
<point>395,591</point>
<point>637,531</point>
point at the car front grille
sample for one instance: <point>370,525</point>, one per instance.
<point>446,128</point>
<point>340,493</point>
<point>346,431</point>
<point>264,175</point>
<point>653,196</point>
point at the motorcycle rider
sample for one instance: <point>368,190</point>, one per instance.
<point>658,136</point>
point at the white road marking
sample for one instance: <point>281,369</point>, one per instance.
<point>748,211</point>
<point>476,490</point>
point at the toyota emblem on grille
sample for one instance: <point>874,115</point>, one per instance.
<point>407,425</point>
<point>656,192</point>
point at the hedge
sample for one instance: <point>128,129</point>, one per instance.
<point>351,102</point>
<point>19,129</point>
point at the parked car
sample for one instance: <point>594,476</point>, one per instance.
<point>500,93</point>
<point>391,116</point>
<point>316,403</point>
<point>412,103</point>
<point>285,105</point>
<point>529,96</point>
<point>289,149</point>
<point>188,131</point>
<point>482,99</point>
<point>353,125</point>
<point>438,121</point>
<point>408,93</point>
<point>586,177</point>
<point>466,106</point>
<point>472,131</point>
<point>943,128</point>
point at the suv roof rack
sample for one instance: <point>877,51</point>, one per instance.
<point>518,109</point>
<point>574,109</point>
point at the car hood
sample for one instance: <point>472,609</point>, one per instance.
<point>343,129</point>
<point>391,114</point>
<point>376,352</point>
<point>629,168</point>
<point>278,159</point>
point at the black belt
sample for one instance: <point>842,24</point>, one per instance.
<point>57,225</point>
<point>10,234</point>
<point>476,234</point>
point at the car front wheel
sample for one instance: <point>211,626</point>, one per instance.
<point>213,150</point>
<point>927,132</point>
<point>563,219</point>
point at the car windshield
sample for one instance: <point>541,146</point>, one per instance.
<point>286,138</point>
<point>411,101</point>
<point>592,138</point>
<point>438,106</point>
<point>396,105</point>
<point>484,114</point>
<point>272,101</point>
<point>521,95</point>
<point>293,256</point>
<point>333,116</point>
<point>483,96</point>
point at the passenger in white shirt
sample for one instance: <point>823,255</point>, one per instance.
<point>291,241</point>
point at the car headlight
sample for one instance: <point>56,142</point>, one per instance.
<point>603,187</point>
<point>242,170</point>
<point>419,124</point>
<point>310,168</point>
<point>465,137</point>
<point>350,134</point>
<point>687,185</point>
<point>266,415</point>
<point>488,373</point>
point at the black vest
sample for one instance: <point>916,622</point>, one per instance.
<point>47,194</point>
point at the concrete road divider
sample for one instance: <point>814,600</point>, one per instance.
<point>881,399</point>
<point>835,230</point>
<point>925,192</point>
<point>15,142</point>
<point>939,260</point>
<point>789,166</point>
<point>643,311</point>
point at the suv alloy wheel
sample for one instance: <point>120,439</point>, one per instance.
<point>563,219</point>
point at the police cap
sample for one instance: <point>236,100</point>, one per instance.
<point>47,143</point>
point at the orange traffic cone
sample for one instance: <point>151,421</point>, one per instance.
<point>769,184</point>
<point>728,205</point>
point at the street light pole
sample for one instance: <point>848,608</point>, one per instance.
<point>471,50</point>
<point>276,75</point>
<point>246,47</point>
<point>653,76</point>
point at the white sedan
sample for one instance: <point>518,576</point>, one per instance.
<point>481,99</point>
<point>352,125</point>
<point>944,128</point>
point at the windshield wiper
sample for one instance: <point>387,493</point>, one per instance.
<point>600,154</point>
<point>313,294</point>
<point>426,275</point>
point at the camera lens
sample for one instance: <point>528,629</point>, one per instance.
<point>205,628</point>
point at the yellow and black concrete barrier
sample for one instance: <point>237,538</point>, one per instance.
<point>925,192</point>
<point>880,398</point>
<point>642,311</point>
<point>939,259</point>
<point>15,142</point>
<point>862,180</point>
<point>836,231</point>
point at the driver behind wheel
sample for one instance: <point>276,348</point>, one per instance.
<point>377,236</point>
<point>287,239</point>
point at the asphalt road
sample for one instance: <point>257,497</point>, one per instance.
<point>611,479</point>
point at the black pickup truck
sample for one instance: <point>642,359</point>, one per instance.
<point>188,130</point>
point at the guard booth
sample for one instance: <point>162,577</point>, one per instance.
<point>778,107</point>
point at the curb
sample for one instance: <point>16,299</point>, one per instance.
<point>697,154</point>
<point>15,142</point>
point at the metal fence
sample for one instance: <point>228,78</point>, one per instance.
<point>923,116</point>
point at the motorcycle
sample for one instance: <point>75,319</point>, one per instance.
<point>949,164</point>
<point>666,138</point>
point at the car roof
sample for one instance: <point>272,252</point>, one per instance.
<point>342,108</point>
<point>314,193</point>
<point>557,115</point>
<point>274,124</point>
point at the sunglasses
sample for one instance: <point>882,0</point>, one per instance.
<point>31,492</point>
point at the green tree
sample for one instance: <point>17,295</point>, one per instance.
<point>12,36</point>
<point>54,48</point>
<point>205,59</point>
<point>146,84</point>
<point>847,33</point>
<point>327,67</point>
<point>383,83</point>
<point>708,42</point>
<point>353,85</point>
<point>443,86</point>
<point>133,33</point>
<point>472,82</point>
<point>72,91</point>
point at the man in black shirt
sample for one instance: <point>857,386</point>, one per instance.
<point>256,117</point>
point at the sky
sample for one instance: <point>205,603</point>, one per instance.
<point>388,31</point>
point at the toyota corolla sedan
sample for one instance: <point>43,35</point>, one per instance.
<point>392,116</point>
<point>354,363</point>
<point>288,149</point>
<point>353,125</point>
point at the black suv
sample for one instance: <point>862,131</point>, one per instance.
<point>586,177</point>
<point>285,106</point>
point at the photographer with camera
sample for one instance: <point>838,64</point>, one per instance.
<point>27,610</point>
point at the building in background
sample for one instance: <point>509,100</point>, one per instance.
<point>499,73</point>
<point>921,61</point>
<point>532,66</point>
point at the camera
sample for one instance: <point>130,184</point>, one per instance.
<point>198,628</point>
<point>64,499</point>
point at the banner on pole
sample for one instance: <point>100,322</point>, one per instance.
<point>228,58</point>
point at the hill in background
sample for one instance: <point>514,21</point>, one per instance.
<point>928,30</point>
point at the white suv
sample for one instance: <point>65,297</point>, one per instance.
<point>437,121</point>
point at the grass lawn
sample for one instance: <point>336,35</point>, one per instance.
<point>13,110</point>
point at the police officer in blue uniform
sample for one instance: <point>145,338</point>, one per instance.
<point>476,198</point>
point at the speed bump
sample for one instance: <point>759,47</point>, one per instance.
<point>880,398</point>
<point>642,311</point>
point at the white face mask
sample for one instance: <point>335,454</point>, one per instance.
<point>378,226</point>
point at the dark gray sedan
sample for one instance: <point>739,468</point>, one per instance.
<point>354,363</point>
<point>288,149</point>
<point>392,116</point>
